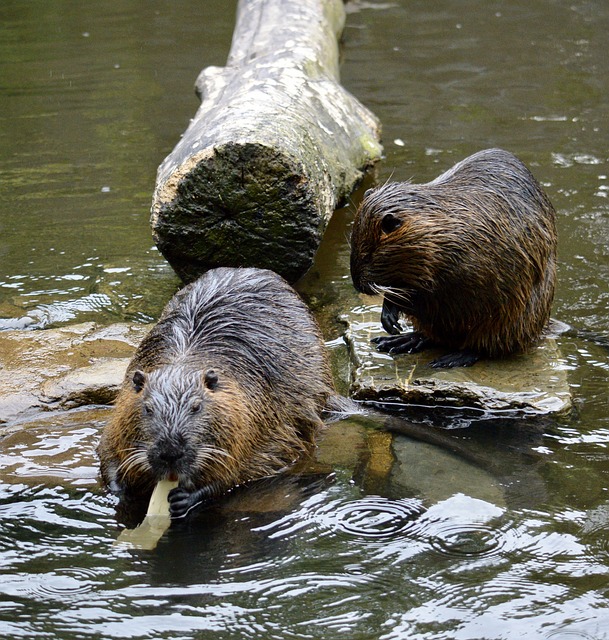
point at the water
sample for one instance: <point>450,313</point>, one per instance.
<point>400,529</point>
<point>92,100</point>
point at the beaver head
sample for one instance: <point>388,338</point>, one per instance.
<point>176,422</point>
<point>395,241</point>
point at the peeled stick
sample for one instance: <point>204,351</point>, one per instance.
<point>147,534</point>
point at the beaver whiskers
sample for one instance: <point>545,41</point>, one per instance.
<point>208,456</point>
<point>395,293</point>
<point>135,462</point>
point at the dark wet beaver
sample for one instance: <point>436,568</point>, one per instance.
<point>228,387</point>
<point>469,258</point>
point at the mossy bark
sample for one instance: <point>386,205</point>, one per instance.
<point>274,148</point>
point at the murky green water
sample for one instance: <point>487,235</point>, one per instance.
<point>497,531</point>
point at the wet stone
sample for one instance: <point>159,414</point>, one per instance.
<point>535,383</point>
<point>98,383</point>
<point>64,368</point>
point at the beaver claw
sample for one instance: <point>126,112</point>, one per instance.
<point>463,358</point>
<point>390,315</point>
<point>180,502</point>
<point>411,342</point>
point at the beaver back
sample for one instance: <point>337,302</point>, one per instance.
<point>469,257</point>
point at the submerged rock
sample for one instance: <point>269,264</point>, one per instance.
<point>530,384</point>
<point>63,368</point>
<point>83,365</point>
<point>53,449</point>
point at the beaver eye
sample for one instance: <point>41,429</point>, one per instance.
<point>196,406</point>
<point>211,379</point>
<point>390,223</point>
<point>147,409</point>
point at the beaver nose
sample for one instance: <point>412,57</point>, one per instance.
<point>165,456</point>
<point>170,457</point>
<point>355,269</point>
<point>359,277</point>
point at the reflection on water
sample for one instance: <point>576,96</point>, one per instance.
<point>402,528</point>
<point>91,101</point>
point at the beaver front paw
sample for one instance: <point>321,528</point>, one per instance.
<point>390,317</point>
<point>181,501</point>
<point>411,342</point>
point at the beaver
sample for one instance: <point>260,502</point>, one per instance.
<point>228,387</point>
<point>469,258</point>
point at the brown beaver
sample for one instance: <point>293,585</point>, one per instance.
<point>228,387</point>
<point>469,258</point>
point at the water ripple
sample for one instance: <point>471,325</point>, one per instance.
<point>468,541</point>
<point>566,634</point>
<point>56,585</point>
<point>371,517</point>
<point>68,582</point>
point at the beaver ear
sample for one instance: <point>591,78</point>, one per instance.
<point>139,379</point>
<point>210,379</point>
<point>390,223</point>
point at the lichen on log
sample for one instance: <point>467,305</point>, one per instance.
<point>276,145</point>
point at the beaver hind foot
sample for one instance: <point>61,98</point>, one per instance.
<point>411,342</point>
<point>465,358</point>
<point>415,342</point>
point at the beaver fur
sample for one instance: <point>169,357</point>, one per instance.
<point>469,258</point>
<point>228,387</point>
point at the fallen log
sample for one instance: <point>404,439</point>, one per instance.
<point>276,145</point>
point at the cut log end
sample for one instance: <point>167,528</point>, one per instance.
<point>233,195</point>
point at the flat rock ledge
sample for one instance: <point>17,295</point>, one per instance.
<point>62,369</point>
<point>533,384</point>
<point>82,367</point>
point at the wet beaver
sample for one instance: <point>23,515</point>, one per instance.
<point>469,258</point>
<point>228,387</point>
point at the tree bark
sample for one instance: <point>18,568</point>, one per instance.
<point>276,145</point>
